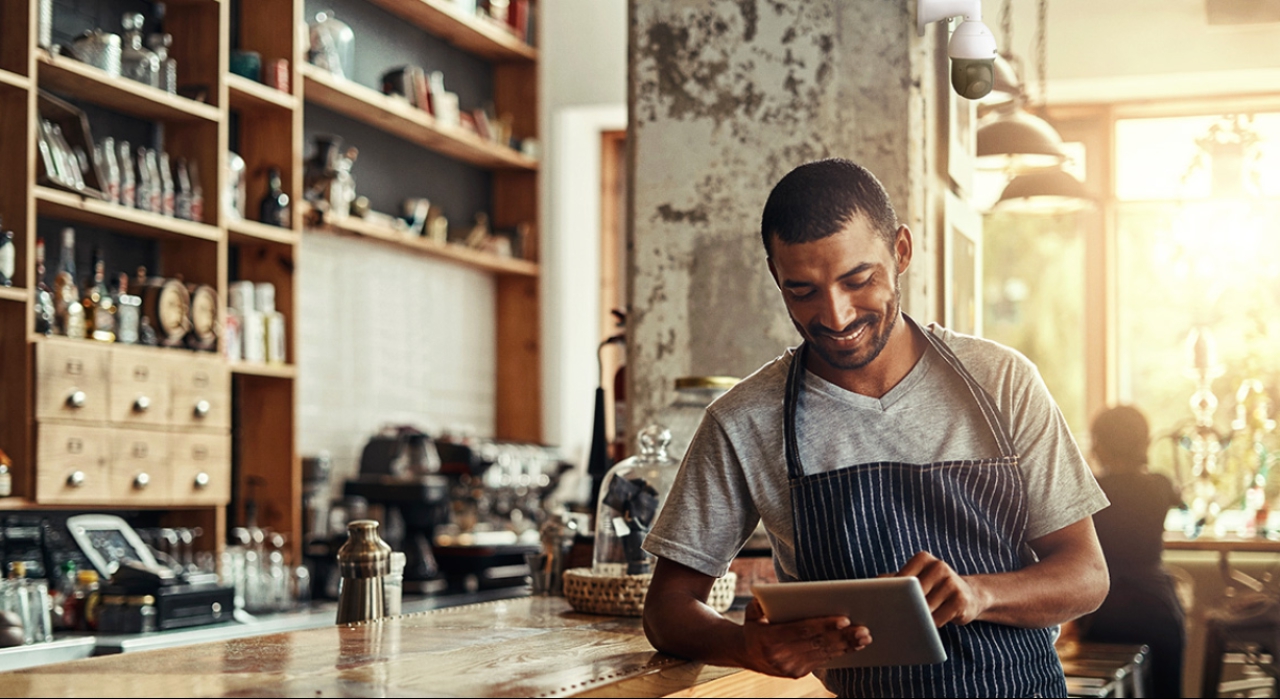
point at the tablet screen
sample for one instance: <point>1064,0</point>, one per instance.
<point>893,609</point>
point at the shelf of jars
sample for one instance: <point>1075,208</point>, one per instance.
<point>246,231</point>
<point>13,293</point>
<point>95,85</point>
<point>56,203</point>
<point>274,371</point>
<point>445,19</point>
<point>247,95</point>
<point>452,252</point>
<point>14,80</point>
<point>396,116</point>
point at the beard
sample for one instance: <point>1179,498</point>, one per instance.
<point>857,358</point>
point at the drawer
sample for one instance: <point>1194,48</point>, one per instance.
<point>140,392</point>
<point>201,392</point>
<point>71,380</point>
<point>200,467</point>
<point>73,464</point>
<point>140,470</point>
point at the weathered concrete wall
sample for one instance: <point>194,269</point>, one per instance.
<point>726,97</point>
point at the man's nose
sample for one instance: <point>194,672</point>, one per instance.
<point>837,312</point>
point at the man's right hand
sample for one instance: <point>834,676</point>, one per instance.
<point>797,648</point>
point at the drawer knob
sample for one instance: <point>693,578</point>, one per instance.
<point>77,400</point>
<point>76,479</point>
<point>202,480</point>
<point>202,409</point>
<point>141,481</point>
<point>142,404</point>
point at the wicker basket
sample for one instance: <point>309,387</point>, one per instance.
<point>623,595</point>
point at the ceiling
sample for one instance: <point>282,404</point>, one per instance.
<point>1117,50</point>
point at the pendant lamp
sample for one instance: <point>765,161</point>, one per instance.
<point>1051,191</point>
<point>1016,141</point>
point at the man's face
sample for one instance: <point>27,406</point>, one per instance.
<point>842,293</point>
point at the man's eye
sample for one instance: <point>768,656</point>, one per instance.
<point>801,294</point>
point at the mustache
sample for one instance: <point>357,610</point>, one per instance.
<point>817,328</point>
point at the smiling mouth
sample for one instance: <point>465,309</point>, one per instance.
<point>848,337</point>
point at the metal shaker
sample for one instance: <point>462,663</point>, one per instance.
<point>363,562</point>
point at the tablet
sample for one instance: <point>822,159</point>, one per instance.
<point>893,609</point>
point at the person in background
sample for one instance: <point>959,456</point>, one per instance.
<point>1143,606</point>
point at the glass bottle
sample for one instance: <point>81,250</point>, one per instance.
<point>167,78</point>
<point>6,478</point>
<point>44,306</point>
<point>99,308</point>
<point>197,194</point>
<point>8,256</point>
<point>111,169</point>
<point>128,311</point>
<point>631,496</point>
<point>274,209</point>
<point>137,62</point>
<point>143,191</point>
<point>182,191</point>
<point>166,184</point>
<point>79,611</point>
<point>332,44</point>
<point>156,183</point>
<point>128,184</point>
<point>66,295</point>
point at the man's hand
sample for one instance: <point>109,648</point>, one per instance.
<point>950,597</point>
<point>797,648</point>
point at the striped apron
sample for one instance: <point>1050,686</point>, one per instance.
<point>865,520</point>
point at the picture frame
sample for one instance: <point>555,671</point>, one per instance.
<point>962,266</point>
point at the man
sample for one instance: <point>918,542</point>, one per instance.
<point>879,447</point>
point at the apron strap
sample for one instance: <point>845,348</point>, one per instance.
<point>795,380</point>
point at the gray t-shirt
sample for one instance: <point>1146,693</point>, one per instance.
<point>734,474</point>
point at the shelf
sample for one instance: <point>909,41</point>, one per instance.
<point>271,371</point>
<point>476,259</point>
<point>14,80</point>
<point>253,232</point>
<point>13,293</point>
<point>396,116</point>
<point>444,19</point>
<point>248,95</point>
<point>73,207</point>
<point>121,94</point>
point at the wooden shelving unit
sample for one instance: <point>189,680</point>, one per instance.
<point>276,371</point>
<point>14,80</point>
<point>64,74</point>
<point>56,203</point>
<point>248,95</point>
<point>396,116</point>
<point>10,293</point>
<point>471,34</point>
<point>246,231</point>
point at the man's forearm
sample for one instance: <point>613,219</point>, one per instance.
<point>688,628</point>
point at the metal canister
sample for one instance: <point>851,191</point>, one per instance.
<point>363,562</point>
<point>99,49</point>
<point>44,25</point>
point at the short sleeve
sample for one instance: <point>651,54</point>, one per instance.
<point>709,514</point>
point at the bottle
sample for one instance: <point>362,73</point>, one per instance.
<point>197,194</point>
<point>62,596</point>
<point>167,78</point>
<point>66,295</point>
<point>143,190</point>
<point>155,182</point>
<point>111,167</point>
<point>128,183</point>
<point>182,191</point>
<point>44,306</point>
<point>166,184</point>
<point>137,62</point>
<point>99,308</point>
<point>128,311</point>
<point>631,496</point>
<point>6,475</point>
<point>8,256</point>
<point>83,614</point>
<point>274,209</point>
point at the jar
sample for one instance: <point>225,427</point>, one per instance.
<point>693,395</point>
<point>332,44</point>
<point>631,496</point>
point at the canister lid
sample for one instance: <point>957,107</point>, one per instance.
<point>718,382</point>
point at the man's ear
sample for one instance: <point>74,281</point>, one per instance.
<point>903,246</point>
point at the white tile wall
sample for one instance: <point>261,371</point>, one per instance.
<point>389,337</point>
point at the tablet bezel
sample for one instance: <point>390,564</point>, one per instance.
<point>894,610</point>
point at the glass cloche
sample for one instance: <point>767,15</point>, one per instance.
<point>631,496</point>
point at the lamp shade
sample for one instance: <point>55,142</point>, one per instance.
<point>1051,191</point>
<point>1017,141</point>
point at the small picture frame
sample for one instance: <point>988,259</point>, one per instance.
<point>962,266</point>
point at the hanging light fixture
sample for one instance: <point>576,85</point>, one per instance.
<point>1051,191</point>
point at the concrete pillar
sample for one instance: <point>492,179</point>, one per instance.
<point>726,97</point>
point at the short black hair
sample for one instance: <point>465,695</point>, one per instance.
<point>818,199</point>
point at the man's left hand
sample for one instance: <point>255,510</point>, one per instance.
<point>950,597</point>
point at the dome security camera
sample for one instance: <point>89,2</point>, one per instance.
<point>972,48</point>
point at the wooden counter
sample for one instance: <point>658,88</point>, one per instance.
<point>530,647</point>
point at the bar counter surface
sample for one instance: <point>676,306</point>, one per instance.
<point>525,647</point>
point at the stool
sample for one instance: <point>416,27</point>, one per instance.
<point>1246,638</point>
<point>1105,669</point>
